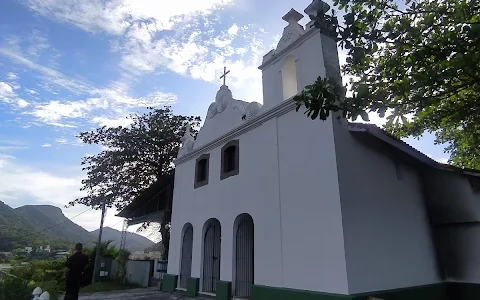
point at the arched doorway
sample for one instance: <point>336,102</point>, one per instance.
<point>186,257</point>
<point>211,256</point>
<point>244,256</point>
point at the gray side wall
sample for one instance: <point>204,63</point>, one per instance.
<point>388,240</point>
<point>455,214</point>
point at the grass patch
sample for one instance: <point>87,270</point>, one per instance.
<point>107,287</point>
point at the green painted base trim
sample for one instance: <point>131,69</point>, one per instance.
<point>272,293</point>
<point>442,291</point>
<point>193,285</point>
<point>427,292</point>
<point>224,290</point>
<point>169,283</point>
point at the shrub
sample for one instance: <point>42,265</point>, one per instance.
<point>13,288</point>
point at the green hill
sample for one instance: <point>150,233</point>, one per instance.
<point>40,225</point>
<point>47,218</point>
<point>16,231</point>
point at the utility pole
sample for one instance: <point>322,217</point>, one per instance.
<point>96,266</point>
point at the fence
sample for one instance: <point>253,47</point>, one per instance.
<point>38,295</point>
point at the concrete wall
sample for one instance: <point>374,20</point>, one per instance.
<point>388,240</point>
<point>298,230</point>
<point>460,248</point>
<point>451,198</point>
<point>139,272</point>
<point>455,212</point>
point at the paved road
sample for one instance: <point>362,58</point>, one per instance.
<point>138,294</point>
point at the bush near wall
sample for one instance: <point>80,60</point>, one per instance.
<point>12,288</point>
<point>48,275</point>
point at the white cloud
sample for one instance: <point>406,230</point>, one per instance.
<point>61,141</point>
<point>115,17</point>
<point>108,107</point>
<point>6,90</point>
<point>190,43</point>
<point>22,103</point>
<point>9,96</point>
<point>12,76</point>
<point>51,75</point>
<point>19,183</point>
<point>46,145</point>
<point>38,43</point>
<point>54,111</point>
<point>112,122</point>
<point>233,30</point>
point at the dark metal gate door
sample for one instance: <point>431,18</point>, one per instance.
<point>211,258</point>
<point>244,259</point>
<point>186,262</point>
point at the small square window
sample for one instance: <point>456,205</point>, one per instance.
<point>230,160</point>
<point>201,170</point>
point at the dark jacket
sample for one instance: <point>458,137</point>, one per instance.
<point>76,265</point>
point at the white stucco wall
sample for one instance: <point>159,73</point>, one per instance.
<point>295,206</point>
<point>388,240</point>
<point>311,221</point>
<point>308,54</point>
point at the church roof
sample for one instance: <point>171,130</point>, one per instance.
<point>406,148</point>
<point>153,200</point>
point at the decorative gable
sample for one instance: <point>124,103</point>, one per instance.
<point>223,115</point>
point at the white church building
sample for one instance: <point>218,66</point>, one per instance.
<point>271,205</point>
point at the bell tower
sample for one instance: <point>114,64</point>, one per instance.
<point>301,55</point>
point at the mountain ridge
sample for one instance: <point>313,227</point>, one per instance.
<point>134,242</point>
<point>18,224</point>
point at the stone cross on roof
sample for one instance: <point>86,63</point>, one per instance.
<point>224,76</point>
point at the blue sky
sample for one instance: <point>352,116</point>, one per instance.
<point>70,65</point>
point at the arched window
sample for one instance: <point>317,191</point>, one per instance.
<point>201,170</point>
<point>289,77</point>
<point>230,160</point>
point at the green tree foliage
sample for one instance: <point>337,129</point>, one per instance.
<point>417,62</point>
<point>132,158</point>
<point>106,249</point>
<point>48,275</point>
<point>12,288</point>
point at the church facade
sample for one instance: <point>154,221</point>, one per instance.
<point>269,204</point>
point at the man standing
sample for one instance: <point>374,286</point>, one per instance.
<point>76,265</point>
